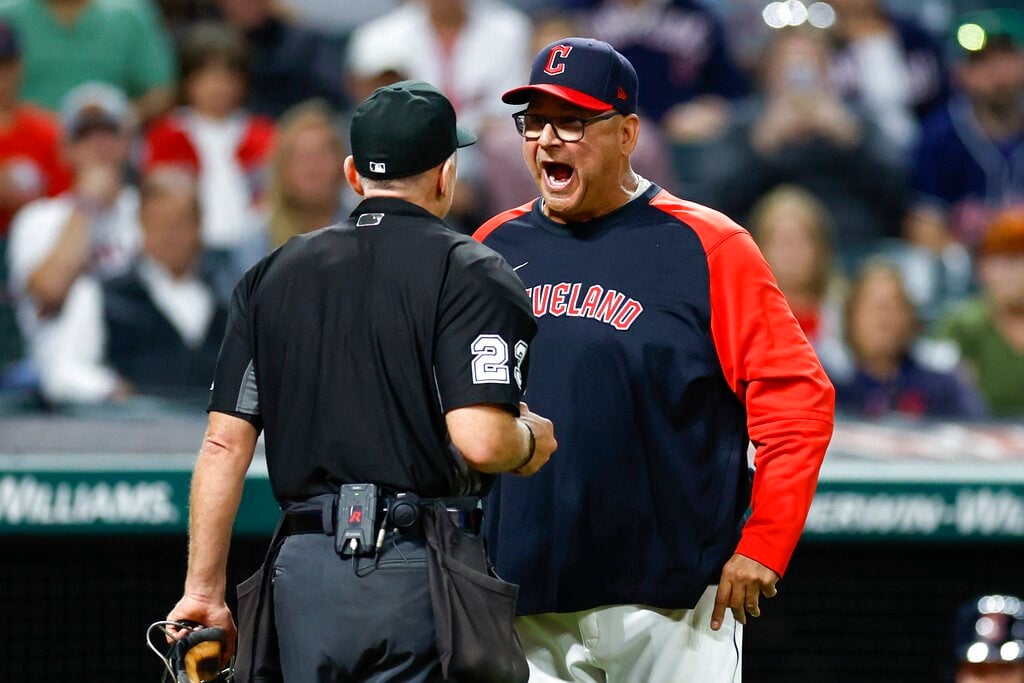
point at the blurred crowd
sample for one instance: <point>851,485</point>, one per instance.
<point>988,640</point>
<point>150,152</point>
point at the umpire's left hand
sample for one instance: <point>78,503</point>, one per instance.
<point>215,613</point>
<point>742,584</point>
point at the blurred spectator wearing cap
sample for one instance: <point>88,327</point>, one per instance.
<point>154,330</point>
<point>799,131</point>
<point>30,163</point>
<point>988,640</point>
<point>289,63</point>
<point>881,326</point>
<point>90,229</point>
<point>214,136</point>
<point>990,329</point>
<point>473,50</point>
<point>69,42</point>
<point>793,230</point>
<point>970,159</point>
<point>680,48</point>
<point>890,66</point>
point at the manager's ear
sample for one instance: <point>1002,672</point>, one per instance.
<point>352,176</point>
<point>630,133</point>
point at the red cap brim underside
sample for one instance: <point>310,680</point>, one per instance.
<point>521,95</point>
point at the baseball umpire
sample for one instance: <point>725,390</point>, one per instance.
<point>384,360</point>
<point>664,347</point>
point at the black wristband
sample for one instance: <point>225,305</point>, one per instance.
<point>533,447</point>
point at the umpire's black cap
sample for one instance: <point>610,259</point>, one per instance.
<point>404,129</point>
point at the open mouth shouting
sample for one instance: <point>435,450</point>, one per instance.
<point>556,175</point>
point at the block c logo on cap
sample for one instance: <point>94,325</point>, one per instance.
<point>561,52</point>
<point>378,167</point>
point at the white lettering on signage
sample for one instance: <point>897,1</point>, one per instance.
<point>987,512</point>
<point>983,511</point>
<point>26,500</point>
<point>881,513</point>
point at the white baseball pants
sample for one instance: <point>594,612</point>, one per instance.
<point>633,644</point>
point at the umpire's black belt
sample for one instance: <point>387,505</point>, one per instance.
<point>464,512</point>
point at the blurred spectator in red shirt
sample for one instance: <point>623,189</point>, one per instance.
<point>216,137</point>
<point>881,326</point>
<point>30,163</point>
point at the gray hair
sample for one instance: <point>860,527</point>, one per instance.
<point>399,184</point>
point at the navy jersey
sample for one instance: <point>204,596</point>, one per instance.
<point>663,343</point>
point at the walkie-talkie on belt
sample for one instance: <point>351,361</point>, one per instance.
<point>356,520</point>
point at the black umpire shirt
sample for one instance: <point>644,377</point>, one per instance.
<point>347,345</point>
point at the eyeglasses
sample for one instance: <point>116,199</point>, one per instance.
<point>567,128</point>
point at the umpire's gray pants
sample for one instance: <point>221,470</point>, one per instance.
<point>340,621</point>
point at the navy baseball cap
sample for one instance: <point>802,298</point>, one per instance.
<point>403,129</point>
<point>586,72</point>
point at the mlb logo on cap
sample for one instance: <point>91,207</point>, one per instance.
<point>403,129</point>
<point>586,72</point>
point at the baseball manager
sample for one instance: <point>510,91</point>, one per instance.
<point>664,348</point>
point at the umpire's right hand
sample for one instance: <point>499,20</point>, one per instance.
<point>544,440</point>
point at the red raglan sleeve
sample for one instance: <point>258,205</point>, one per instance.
<point>790,402</point>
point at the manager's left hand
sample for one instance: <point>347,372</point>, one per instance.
<point>743,583</point>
